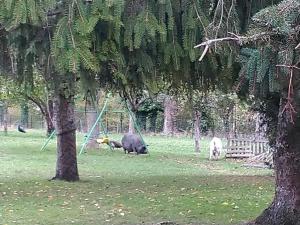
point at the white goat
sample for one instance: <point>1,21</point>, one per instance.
<point>215,148</point>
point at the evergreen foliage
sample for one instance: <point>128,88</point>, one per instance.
<point>261,64</point>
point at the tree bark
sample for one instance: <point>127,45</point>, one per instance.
<point>64,119</point>
<point>131,128</point>
<point>170,113</point>
<point>49,118</point>
<point>197,117</point>
<point>285,208</point>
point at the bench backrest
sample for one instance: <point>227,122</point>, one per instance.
<point>256,146</point>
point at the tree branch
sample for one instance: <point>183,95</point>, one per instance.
<point>39,103</point>
<point>236,38</point>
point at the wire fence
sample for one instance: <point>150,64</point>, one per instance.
<point>118,122</point>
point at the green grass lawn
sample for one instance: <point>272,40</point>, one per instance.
<point>171,184</point>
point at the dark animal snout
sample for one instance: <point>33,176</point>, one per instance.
<point>142,150</point>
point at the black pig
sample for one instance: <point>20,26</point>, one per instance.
<point>133,143</point>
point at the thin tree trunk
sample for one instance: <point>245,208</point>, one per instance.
<point>131,128</point>
<point>5,118</point>
<point>285,209</point>
<point>24,114</point>
<point>1,113</point>
<point>49,118</point>
<point>170,113</point>
<point>50,126</point>
<point>91,117</point>
<point>197,117</point>
<point>64,117</point>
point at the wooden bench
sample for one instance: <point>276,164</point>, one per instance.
<point>245,147</point>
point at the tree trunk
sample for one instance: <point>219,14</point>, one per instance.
<point>49,118</point>
<point>64,119</point>
<point>131,128</point>
<point>170,113</point>
<point>5,118</point>
<point>1,113</point>
<point>91,117</point>
<point>24,114</point>
<point>197,117</point>
<point>285,209</point>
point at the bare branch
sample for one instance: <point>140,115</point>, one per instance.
<point>288,66</point>
<point>236,38</point>
<point>289,108</point>
<point>204,52</point>
<point>212,41</point>
<point>298,46</point>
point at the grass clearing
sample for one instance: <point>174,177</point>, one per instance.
<point>172,183</point>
